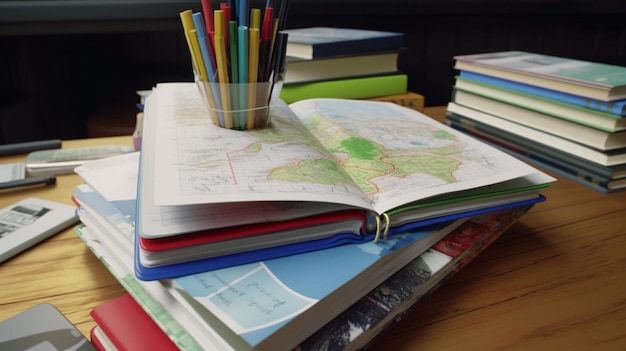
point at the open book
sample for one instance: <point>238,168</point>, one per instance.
<point>326,172</point>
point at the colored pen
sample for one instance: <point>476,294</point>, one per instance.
<point>28,182</point>
<point>253,71</point>
<point>194,46</point>
<point>243,43</point>
<point>221,58</point>
<point>208,54</point>
<point>242,11</point>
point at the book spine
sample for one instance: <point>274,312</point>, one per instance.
<point>357,88</point>
<point>409,99</point>
<point>617,108</point>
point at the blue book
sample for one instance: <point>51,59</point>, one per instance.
<point>617,108</point>
<point>318,42</point>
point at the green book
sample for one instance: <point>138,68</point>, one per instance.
<point>350,88</point>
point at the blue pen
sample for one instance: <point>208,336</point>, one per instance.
<point>243,43</point>
<point>209,59</point>
<point>243,11</point>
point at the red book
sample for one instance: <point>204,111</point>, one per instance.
<point>128,327</point>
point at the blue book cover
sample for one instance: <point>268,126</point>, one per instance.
<point>617,108</point>
<point>318,42</point>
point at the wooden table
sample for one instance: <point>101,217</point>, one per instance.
<point>556,280</point>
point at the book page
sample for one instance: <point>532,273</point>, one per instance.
<point>397,155</point>
<point>192,161</point>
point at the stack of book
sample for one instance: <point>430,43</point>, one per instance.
<point>266,239</point>
<point>342,63</point>
<point>565,115</point>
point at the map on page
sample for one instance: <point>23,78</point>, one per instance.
<point>380,150</point>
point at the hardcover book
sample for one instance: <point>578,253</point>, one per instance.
<point>304,71</point>
<point>609,158</point>
<point>316,42</point>
<point>588,136</point>
<point>314,187</point>
<point>588,79</point>
<point>347,88</point>
<point>551,108</point>
<point>128,327</point>
<point>615,108</point>
<point>593,177</point>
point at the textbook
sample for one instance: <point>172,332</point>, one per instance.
<point>319,176</point>
<point>266,305</point>
<point>593,177</point>
<point>551,108</point>
<point>588,136</point>
<point>603,158</point>
<point>316,42</point>
<point>588,79</point>
<point>301,71</point>
<point>347,88</point>
<point>122,323</point>
<point>616,108</point>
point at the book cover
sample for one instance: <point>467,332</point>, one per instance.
<point>589,79</point>
<point>560,166</point>
<point>347,88</point>
<point>616,108</point>
<point>591,118</point>
<point>591,137</point>
<point>301,71</point>
<point>611,158</point>
<point>387,303</point>
<point>316,42</point>
<point>128,327</point>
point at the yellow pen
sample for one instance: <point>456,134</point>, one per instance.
<point>194,47</point>
<point>221,58</point>
<point>255,18</point>
<point>253,71</point>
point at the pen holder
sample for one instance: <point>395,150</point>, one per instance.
<point>241,106</point>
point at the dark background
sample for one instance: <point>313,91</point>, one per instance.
<point>63,62</point>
